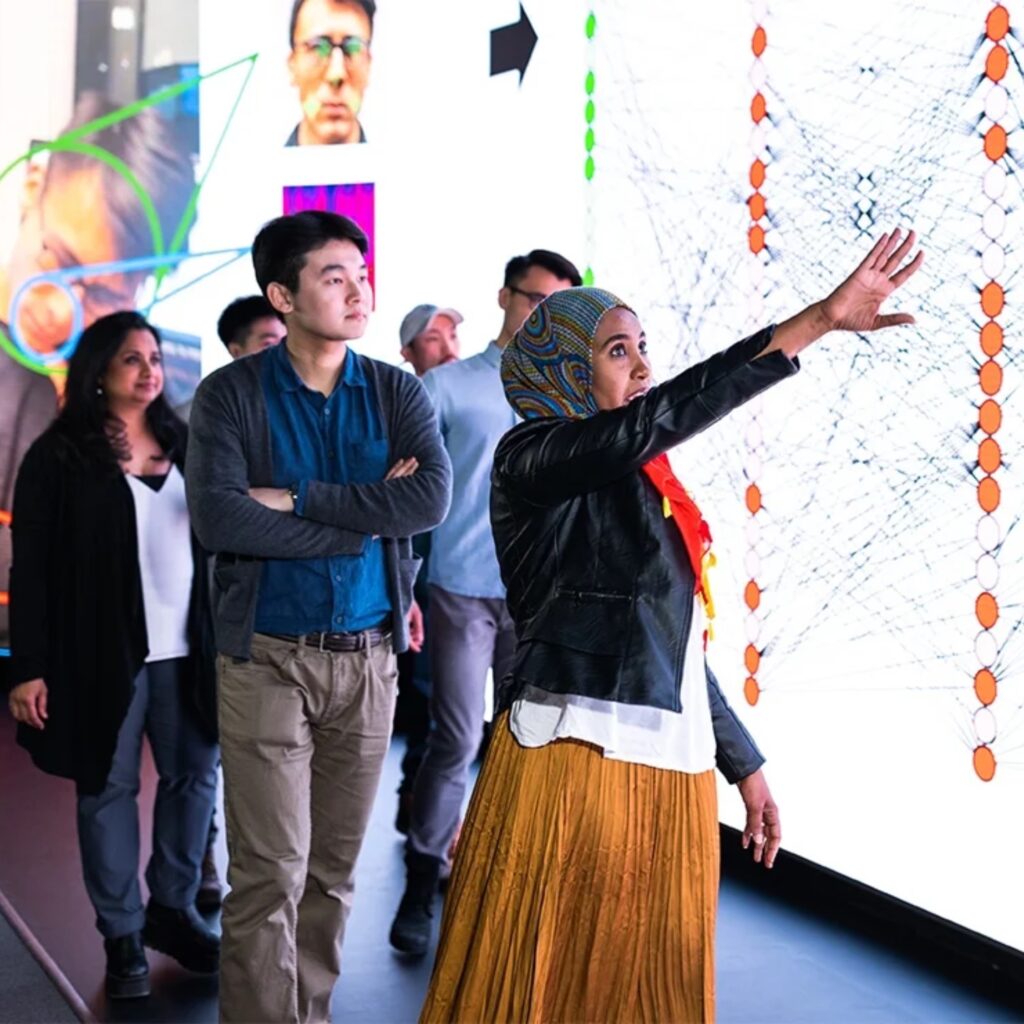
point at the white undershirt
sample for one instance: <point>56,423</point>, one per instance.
<point>165,563</point>
<point>679,741</point>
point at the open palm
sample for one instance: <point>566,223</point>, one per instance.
<point>855,305</point>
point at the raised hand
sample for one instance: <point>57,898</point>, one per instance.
<point>856,304</point>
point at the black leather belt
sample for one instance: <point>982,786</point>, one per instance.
<point>343,643</point>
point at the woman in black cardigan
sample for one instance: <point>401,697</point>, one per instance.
<point>111,639</point>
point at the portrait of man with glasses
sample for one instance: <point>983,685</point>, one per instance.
<point>329,64</point>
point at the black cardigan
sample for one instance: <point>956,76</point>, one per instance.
<point>598,580</point>
<point>77,616</point>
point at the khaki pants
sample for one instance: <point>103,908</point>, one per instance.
<point>303,734</point>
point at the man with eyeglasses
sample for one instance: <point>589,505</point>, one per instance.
<point>76,210</point>
<point>470,628</point>
<point>330,66</point>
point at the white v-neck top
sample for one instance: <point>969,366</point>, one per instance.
<point>682,742</point>
<point>165,563</point>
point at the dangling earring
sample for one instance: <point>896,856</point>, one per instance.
<point>99,389</point>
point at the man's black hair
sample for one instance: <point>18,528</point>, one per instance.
<point>518,267</point>
<point>238,316</point>
<point>368,6</point>
<point>146,144</point>
<point>280,249</point>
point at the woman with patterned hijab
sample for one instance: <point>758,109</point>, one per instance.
<point>585,885</point>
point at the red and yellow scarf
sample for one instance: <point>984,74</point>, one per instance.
<point>695,531</point>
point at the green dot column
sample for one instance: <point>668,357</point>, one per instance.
<point>588,143</point>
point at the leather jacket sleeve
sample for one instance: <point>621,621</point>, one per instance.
<point>574,456</point>
<point>736,753</point>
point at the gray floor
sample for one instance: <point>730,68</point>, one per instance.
<point>774,964</point>
<point>28,995</point>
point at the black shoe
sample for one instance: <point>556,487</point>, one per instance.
<point>404,812</point>
<point>210,894</point>
<point>127,970</point>
<point>182,935</point>
<point>412,927</point>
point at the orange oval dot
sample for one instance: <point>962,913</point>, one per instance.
<point>752,659</point>
<point>990,456</point>
<point>995,142</point>
<point>986,608</point>
<point>752,595</point>
<point>757,173</point>
<point>756,238</point>
<point>757,205</point>
<point>993,298</point>
<point>758,108</point>
<point>996,63</point>
<point>760,41</point>
<point>990,376</point>
<point>984,763</point>
<point>988,494</point>
<point>991,339</point>
<point>990,416</point>
<point>751,690</point>
<point>753,499</point>
<point>985,686</point>
<point>997,24</point>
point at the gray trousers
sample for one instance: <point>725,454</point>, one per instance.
<point>468,635</point>
<point>108,822</point>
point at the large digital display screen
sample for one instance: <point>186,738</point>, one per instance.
<point>718,168</point>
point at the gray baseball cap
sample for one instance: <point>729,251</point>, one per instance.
<point>417,320</point>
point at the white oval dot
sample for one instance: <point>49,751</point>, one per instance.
<point>752,563</point>
<point>988,533</point>
<point>985,648</point>
<point>986,572</point>
<point>753,628</point>
<point>985,725</point>
<point>752,436</point>
<point>994,181</point>
<point>752,531</point>
<point>758,74</point>
<point>996,102</point>
<point>994,221</point>
<point>753,466</point>
<point>993,260</point>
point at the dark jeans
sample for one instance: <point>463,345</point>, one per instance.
<point>108,823</point>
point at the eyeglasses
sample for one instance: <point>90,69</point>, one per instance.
<point>96,296</point>
<point>533,298</point>
<point>318,51</point>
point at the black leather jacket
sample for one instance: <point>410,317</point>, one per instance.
<point>599,584</point>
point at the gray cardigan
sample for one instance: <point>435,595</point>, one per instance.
<point>229,451</point>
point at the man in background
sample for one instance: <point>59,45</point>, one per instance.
<point>470,628</point>
<point>246,326</point>
<point>329,64</point>
<point>428,337</point>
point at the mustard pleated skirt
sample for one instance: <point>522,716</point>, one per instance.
<point>584,890</point>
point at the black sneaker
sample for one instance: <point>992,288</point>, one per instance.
<point>182,935</point>
<point>412,927</point>
<point>127,970</point>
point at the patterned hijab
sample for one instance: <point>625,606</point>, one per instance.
<point>546,368</point>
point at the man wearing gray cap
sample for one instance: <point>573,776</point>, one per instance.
<point>428,337</point>
<point>470,628</point>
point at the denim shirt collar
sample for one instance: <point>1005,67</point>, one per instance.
<point>286,379</point>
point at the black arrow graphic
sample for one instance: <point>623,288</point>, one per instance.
<point>512,46</point>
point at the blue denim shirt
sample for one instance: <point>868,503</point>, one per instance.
<point>337,440</point>
<point>473,414</point>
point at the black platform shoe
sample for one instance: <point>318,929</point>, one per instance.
<point>127,970</point>
<point>413,924</point>
<point>182,935</point>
